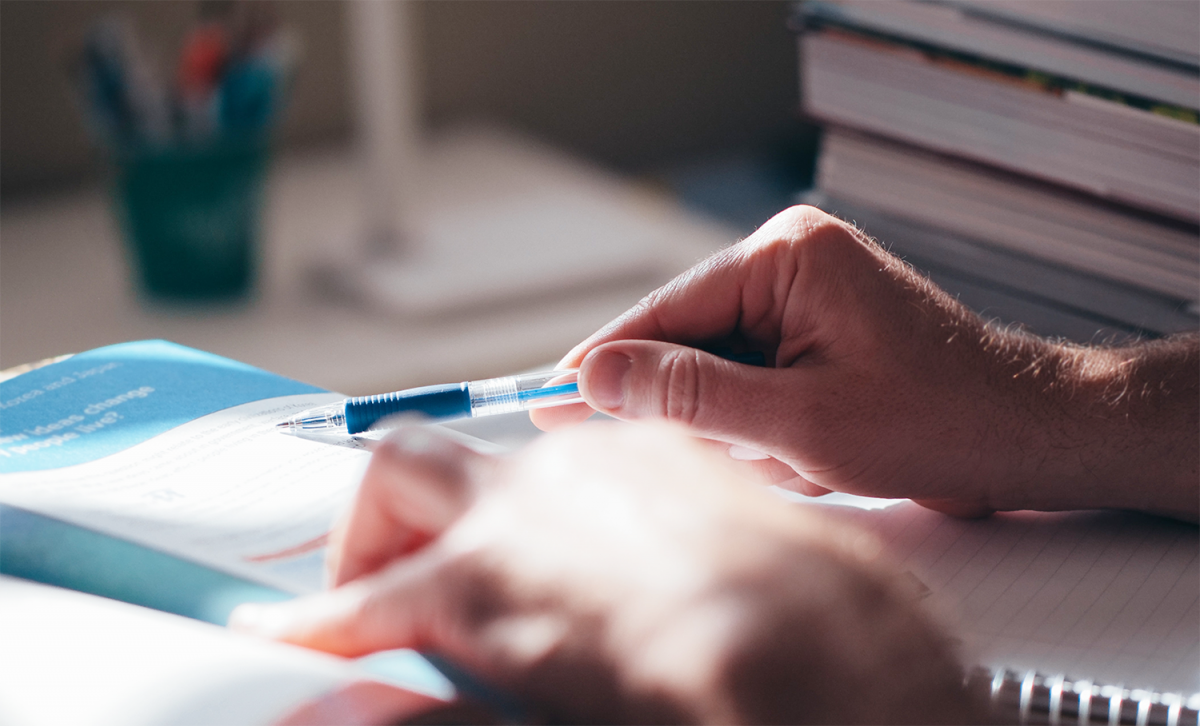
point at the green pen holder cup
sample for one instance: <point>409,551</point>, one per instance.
<point>191,218</point>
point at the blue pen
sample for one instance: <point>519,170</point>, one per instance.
<point>443,402</point>
<point>471,399</point>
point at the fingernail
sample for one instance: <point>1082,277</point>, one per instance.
<point>605,379</point>
<point>268,621</point>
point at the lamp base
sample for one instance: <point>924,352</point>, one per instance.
<point>507,220</point>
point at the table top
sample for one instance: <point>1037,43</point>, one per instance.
<point>65,285</point>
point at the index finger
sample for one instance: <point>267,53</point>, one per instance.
<point>742,288</point>
<point>417,484</point>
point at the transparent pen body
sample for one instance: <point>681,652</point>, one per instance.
<point>524,392</point>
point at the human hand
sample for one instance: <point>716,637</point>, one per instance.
<point>618,574</point>
<point>883,385</point>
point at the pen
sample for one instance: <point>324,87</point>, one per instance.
<point>447,401</point>
<point>470,399</point>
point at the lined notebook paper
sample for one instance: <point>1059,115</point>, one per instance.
<point>1108,596</point>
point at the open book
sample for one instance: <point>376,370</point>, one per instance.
<point>151,473</point>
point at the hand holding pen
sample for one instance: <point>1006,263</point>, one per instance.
<point>470,399</point>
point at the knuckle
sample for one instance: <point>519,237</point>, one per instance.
<point>803,229</point>
<point>646,309</point>
<point>820,229</point>
<point>472,593</point>
<point>803,222</point>
<point>679,395</point>
<point>656,298</point>
<point>647,304</point>
<point>802,215</point>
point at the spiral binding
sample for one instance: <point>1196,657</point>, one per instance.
<point>1033,698</point>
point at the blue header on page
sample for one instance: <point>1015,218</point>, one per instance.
<point>97,403</point>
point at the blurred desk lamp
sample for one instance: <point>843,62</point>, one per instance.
<point>476,216</point>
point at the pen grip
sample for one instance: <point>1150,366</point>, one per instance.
<point>438,402</point>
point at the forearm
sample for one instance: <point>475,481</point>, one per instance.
<point>1115,428</point>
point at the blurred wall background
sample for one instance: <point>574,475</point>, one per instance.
<point>629,84</point>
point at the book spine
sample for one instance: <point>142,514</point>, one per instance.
<point>1033,698</point>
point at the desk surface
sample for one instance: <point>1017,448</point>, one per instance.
<point>65,287</point>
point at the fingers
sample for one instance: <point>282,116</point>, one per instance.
<point>744,288</point>
<point>803,486</point>
<point>759,466</point>
<point>387,610</point>
<point>417,484</point>
<point>559,417</point>
<point>774,471</point>
<point>701,304</point>
<point>963,509</point>
<point>713,397</point>
<point>745,291</point>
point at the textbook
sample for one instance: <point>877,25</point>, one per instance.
<point>1165,30</point>
<point>152,474</point>
<point>1097,118</point>
<point>1075,232</point>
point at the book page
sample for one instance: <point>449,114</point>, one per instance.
<point>70,658</point>
<point>152,473</point>
<point>1109,596</point>
<point>226,490</point>
<point>177,450</point>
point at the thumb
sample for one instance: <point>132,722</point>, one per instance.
<point>713,397</point>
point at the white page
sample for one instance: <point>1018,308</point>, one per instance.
<point>70,658</point>
<point>226,489</point>
<point>177,450</point>
<point>1110,596</point>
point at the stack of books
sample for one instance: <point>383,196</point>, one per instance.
<point>1039,160</point>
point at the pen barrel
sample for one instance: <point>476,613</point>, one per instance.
<point>524,392</point>
<point>431,402</point>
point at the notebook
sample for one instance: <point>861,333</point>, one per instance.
<point>1092,605</point>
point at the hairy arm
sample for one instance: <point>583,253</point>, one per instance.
<point>884,385</point>
<point>1118,427</point>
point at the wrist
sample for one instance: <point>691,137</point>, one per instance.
<point>1109,428</point>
